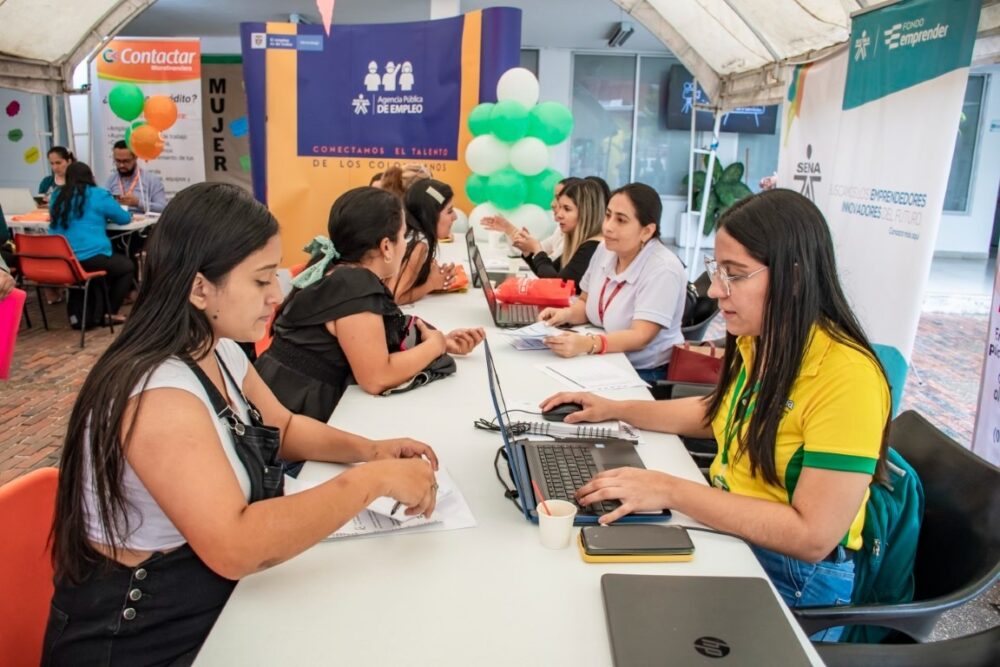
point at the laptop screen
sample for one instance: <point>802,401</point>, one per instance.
<point>515,455</point>
<point>491,297</point>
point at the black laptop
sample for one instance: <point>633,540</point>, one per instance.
<point>505,315</point>
<point>561,466</point>
<point>678,620</point>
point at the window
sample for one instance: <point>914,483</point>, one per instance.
<point>661,155</point>
<point>603,101</point>
<point>956,197</point>
<point>529,60</point>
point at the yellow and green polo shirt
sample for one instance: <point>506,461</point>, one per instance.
<point>833,420</point>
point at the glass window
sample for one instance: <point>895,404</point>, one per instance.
<point>956,197</point>
<point>661,155</point>
<point>603,101</point>
<point>759,155</point>
<point>529,60</point>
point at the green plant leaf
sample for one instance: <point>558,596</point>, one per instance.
<point>716,171</point>
<point>711,214</point>
<point>733,173</point>
<point>699,180</point>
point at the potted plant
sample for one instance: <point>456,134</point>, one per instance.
<point>727,189</point>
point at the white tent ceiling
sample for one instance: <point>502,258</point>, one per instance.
<point>740,50</point>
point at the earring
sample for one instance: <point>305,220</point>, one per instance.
<point>388,260</point>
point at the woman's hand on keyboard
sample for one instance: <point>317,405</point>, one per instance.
<point>638,490</point>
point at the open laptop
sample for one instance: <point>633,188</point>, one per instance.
<point>560,467</point>
<point>17,201</point>
<point>679,620</point>
<point>470,245</point>
<point>504,314</point>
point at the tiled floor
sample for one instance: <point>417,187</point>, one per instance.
<point>49,368</point>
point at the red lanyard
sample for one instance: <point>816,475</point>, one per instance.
<point>603,305</point>
<point>131,188</point>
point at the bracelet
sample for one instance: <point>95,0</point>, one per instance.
<point>594,342</point>
<point>604,343</point>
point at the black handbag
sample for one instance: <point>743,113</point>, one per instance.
<point>441,367</point>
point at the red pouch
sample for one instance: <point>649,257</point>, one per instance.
<point>697,364</point>
<point>554,292</point>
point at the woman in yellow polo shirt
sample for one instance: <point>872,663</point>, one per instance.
<point>800,413</point>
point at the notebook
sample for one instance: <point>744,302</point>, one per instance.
<point>619,430</point>
<point>560,467</point>
<point>678,620</point>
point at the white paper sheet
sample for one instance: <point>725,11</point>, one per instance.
<point>591,374</point>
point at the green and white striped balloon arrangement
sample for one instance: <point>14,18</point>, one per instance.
<point>509,154</point>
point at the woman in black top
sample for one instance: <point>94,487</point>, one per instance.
<point>580,215</point>
<point>342,321</point>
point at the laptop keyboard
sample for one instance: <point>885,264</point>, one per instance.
<point>566,469</point>
<point>520,312</point>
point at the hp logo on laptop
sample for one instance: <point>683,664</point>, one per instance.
<point>711,647</point>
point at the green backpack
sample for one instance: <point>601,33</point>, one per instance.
<point>883,567</point>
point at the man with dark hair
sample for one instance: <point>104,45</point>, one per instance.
<point>141,190</point>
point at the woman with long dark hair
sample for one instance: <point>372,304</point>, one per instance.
<point>60,158</point>
<point>801,412</point>
<point>430,214</point>
<point>553,244</point>
<point>81,211</point>
<point>341,321</point>
<point>170,484</point>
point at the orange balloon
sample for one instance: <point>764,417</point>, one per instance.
<point>147,142</point>
<point>160,112</point>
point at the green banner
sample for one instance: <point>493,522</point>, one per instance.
<point>908,43</point>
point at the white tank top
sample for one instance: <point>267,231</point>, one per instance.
<point>149,528</point>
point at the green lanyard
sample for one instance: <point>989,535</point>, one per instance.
<point>730,431</point>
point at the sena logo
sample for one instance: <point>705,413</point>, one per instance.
<point>808,173</point>
<point>108,55</point>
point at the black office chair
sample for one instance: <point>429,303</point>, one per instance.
<point>701,314</point>
<point>979,650</point>
<point>958,554</point>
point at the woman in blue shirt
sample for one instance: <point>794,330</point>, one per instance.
<point>81,212</point>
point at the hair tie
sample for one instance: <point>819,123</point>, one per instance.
<point>323,248</point>
<point>437,196</point>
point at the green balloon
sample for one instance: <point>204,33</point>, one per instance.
<point>479,119</point>
<point>126,101</point>
<point>477,187</point>
<point>541,187</point>
<point>128,132</point>
<point>507,188</point>
<point>509,120</point>
<point>551,122</point>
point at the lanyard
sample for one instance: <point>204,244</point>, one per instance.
<point>729,434</point>
<point>603,305</point>
<point>131,188</point>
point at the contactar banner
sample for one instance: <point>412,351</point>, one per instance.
<point>328,112</point>
<point>869,136</point>
<point>159,66</point>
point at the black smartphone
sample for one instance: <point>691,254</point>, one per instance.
<point>635,539</point>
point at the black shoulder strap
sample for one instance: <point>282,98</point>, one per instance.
<point>251,408</point>
<point>219,403</point>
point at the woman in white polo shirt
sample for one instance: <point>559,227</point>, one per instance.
<point>634,289</point>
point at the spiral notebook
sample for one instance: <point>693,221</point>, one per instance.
<point>617,430</point>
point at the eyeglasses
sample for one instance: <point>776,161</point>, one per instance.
<point>716,272</point>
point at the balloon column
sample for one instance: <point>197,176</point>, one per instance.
<point>143,136</point>
<point>509,154</point>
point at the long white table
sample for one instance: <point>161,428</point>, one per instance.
<point>489,595</point>
<point>139,221</point>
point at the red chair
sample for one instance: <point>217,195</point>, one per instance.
<point>260,347</point>
<point>27,506</point>
<point>47,261</point>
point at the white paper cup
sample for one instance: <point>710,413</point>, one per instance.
<point>556,529</point>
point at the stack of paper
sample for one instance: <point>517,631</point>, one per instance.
<point>591,374</point>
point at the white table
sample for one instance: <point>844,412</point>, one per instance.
<point>139,222</point>
<point>489,595</point>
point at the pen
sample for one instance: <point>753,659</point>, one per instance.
<point>395,508</point>
<point>566,377</point>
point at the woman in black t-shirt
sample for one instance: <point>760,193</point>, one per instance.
<point>342,322</point>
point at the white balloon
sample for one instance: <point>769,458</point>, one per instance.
<point>520,85</point>
<point>461,224</point>
<point>529,156</point>
<point>486,154</point>
<point>537,219</point>
<point>484,210</point>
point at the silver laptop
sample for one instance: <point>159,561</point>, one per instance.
<point>504,314</point>
<point>17,201</point>
<point>718,621</point>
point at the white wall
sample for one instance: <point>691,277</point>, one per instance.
<point>968,234</point>
<point>30,139</point>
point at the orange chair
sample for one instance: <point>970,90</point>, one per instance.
<point>27,506</point>
<point>47,261</point>
<point>260,347</point>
